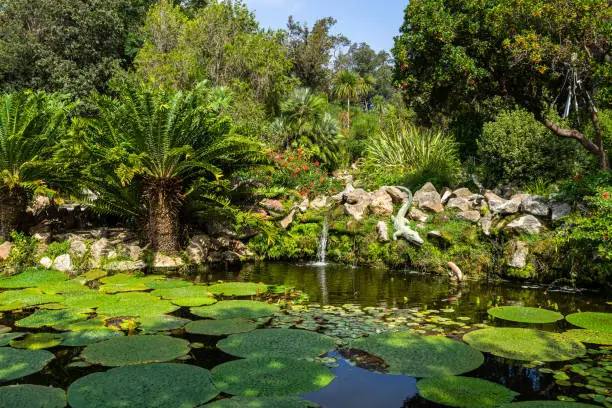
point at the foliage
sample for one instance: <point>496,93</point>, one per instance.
<point>300,242</point>
<point>161,322</point>
<point>229,309</point>
<point>130,350</point>
<point>55,249</point>
<point>29,395</point>
<point>590,336</point>
<point>5,338</point>
<point>220,327</point>
<point>32,277</point>
<point>86,337</point>
<point>250,377</point>
<point>23,252</point>
<point>464,392</point>
<point>592,321</point>
<point>547,404</point>
<point>525,314</point>
<point>238,289</point>
<point>525,344</point>
<point>122,282</point>
<point>58,319</point>
<point>132,304</point>
<point>145,385</point>
<point>18,363</point>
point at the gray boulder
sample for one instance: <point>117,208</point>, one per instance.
<point>527,224</point>
<point>462,204</point>
<point>471,216</point>
<point>518,252</point>
<point>320,202</point>
<point>63,263</point>
<point>486,222</point>
<point>535,205</point>
<point>163,261</point>
<point>397,196</point>
<point>272,206</point>
<point>559,210</point>
<point>428,198</point>
<point>417,215</point>
<point>462,193</point>
<point>288,220</point>
<point>383,231</point>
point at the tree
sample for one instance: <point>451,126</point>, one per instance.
<point>347,85</point>
<point>473,56</point>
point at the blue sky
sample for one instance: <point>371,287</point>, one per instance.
<point>373,22</point>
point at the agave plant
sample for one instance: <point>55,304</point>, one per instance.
<point>154,150</point>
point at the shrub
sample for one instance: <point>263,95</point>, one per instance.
<point>22,253</point>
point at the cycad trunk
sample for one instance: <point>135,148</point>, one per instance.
<point>12,208</point>
<point>163,226</point>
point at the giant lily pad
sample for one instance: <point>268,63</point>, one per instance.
<point>277,343</point>
<point>86,337</point>
<point>144,385</point>
<point>162,322</point>
<point>525,344</point>
<point>130,350</point>
<point>16,363</point>
<point>71,286</point>
<point>187,295</point>
<point>28,395</point>
<point>58,319</point>
<point>91,299</point>
<point>5,338</point>
<point>238,289</point>
<point>95,323</point>
<point>32,277</point>
<point>134,304</point>
<point>547,404</point>
<point>267,377</point>
<point>220,327</point>
<point>525,314</point>
<point>421,356</point>
<point>464,392</point>
<point>17,299</point>
<point>265,402</point>
<point>589,336</point>
<point>168,284</point>
<point>37,341</point>
<point>592,321</point>
<point>126,283</point>
<point>229,309</point>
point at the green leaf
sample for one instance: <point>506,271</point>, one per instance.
<point>589,336</point>
<point>228,309</point>
<point>37,341</point>
<point>86,337</point>
<point>464,392</point>
<point>16,363</point>
<point>28,395</point>
<point>592,321</point>
<point>266,402</point>
<point>525,314</point>
<point>238,289</point>
<point>131,350</point>
<point>32,277</point>
<point>220,327</point>
<point>58,319</point>
<point>17,299</point>
<point>162,322</point>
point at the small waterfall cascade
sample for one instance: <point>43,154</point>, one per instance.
<point>323,243</point>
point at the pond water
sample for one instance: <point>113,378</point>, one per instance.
<point>351,302</point>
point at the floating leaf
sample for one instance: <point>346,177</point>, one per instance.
<point>95,323</point>
<point>70,286</point>
<point>589,336</point>
<point>32,277</point>
<point>86,337</point>
<point>130,350</point>
<point>421,356</point>
<point>58,319</point>
<point>17,299</point>
<point>162,322</point>
<point>525,314</point>
<point>16,363</point>
<point>547,404</point>
<point>277,343</point>
<point>28,395</point>
<point>144,386</point>
<point>126,283</point>
<point>238,289</point>
<point>265,402</point>
<point>194,301</point>
<point>37,341</point>
<point>5,338</point>
<point>220,327</point>
<point>168,284</point>
<point>263,377</point>
<point>91,275</point>
<point>187,295</point>
<point>91,299</point>
<point>229,309</point>
<point>464,392</point>
<point>134,304</point>
<point>592,321</point>
<point>525,344</point>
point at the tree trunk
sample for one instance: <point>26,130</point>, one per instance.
<point>13,205</point>
<point>604,164</point>
<point>348,102</point>
<point>163,226</point>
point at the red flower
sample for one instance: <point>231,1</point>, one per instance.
<point>305,167</point>
<point>606,195</point>
<point>316,163</point>
<point>578,177</point>
<point>605,236</point>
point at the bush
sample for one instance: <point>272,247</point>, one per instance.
<point>22,253</point>
<point>517,148</point>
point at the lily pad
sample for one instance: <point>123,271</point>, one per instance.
<point>525,314</point>
<point>32,277</point>
<point>266,402</point>
<point>238,289</point>
<point>5,338</point>
<point>220,327</point>
<point>464,392</point>
<point>592,321</point>
<point>162,322</point>
<point>267,377</point>
<point>421,356</point>
<point>126,283</point>
<point>58,319</point>
<point>525,344</point>
<point>229,309</point>
<point>91,299</point>
<point>87,337</point>
<point>168,284</point>
<point>28,395</point>
<point>17,299</point>
<point>95,323</point>
<point>134,304</point>
<point>187,295</point>
<point>194,301</point>
<point>16,363</point>
<point>547,404</point>
<point>69,286</point>
<point>144,386</point>
<point>589,336</point>
<point>131,350</point>
<point>37,341</point>
<point>277,343</point>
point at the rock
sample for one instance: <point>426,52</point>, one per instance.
<point>63,263</point>
<point>518,251</point>
<point>498,205</point>
<point>397,196</point>
<point>559,210</point>
<point>462,193</point>
<point>439,239</point>
<point>428,198</point>
<point>288,220</point>
<point>41,233</point>
<point>230,256</point>
<point>383,231</point>
<point>163,261</point>
<point>535,205</point>
<point>272,206</point>
<point>341,196</point>
<point>458,202</point>
<point>40,204</point>
<point>527,224</point>
<point>471,216</point>
<point>198,249</point>
<point>303,206</point>
<point>357,196</point>
<point>494,201</point>
<point>320,202</point>
<point>124,266</point>
<point>99,250</point>
<point>382,203</point>
<point>343,176</point>
<point>357,211</point>
<point>417,215</point>
<point>5,250</point>
<point>78,247</point>
<point>486,222</point>
<point>46,262</point>
<point>445,195</point>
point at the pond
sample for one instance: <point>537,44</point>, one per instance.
<point>348,305</point>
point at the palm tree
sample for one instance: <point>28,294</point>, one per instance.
<point>153,150</point>
<point>346,86</point>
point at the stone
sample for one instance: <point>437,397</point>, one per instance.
<point>341,195</point>
<point>303,206</point>
<point>198,249</point>
<point>288,220</point>
<point>135,252</point>
<point>78,247</point>
<point>527,224</point>
<point>498,205</point>
<point>445,195</point>
<point>462,193</point>
<point>357,196</point>
<point>124,266</point>
<point>230,256</point>
<point>383,231</point>
<point>535,205</point>
<point>397,196</point>
<point>99,250</point>
<point>5,250</point>
<point>459,202</point>
<point>486,222</point>
<point>39,204</point>
<point>559,210</point>
<point>166,261</point>
<point>417,215</point>
<point>46,262</point>
<point>518,252</point>
<point>428,198</point>
<point>382,203</point>
<point>357,211</point>
<point>273,206</point>
<point>471,216</point>
<point>63,263</point>
<point>42,237</point>
<point>320,202</point>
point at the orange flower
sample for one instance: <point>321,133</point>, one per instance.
<point>316,163</point>
<point>305,167</point>
<point>606,195</point>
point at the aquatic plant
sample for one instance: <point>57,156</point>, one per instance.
<point>127,283</point>
<point>228,309</point>
<point>37,341</point>
<point>589,336</point>
<point>220,327</point>
<point>525,314</point>
<point>161,322</point>
<point>168,284</point>
<point>547,404</point>
<point>17,363</point>
<point>5,338</point>
<point>134,304</point>
<point>129,350</point>
<point>464,392</point>
<point>17,299</point>
<point>266,402</point>
<point>592,321</point>
<point>32,277</point>
<point>29,395</point>
<point>238,289</point>
<point>58,319</point>
<point>196,295</point>
<point>86,337</point>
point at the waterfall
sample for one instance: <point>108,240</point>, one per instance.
<point>323,243</point>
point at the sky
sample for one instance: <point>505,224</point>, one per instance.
<point>373,22</point>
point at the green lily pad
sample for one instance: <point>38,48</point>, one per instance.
<point>162,322</point>
<point>32,277</point>
<point>92,275</point>
<point>58,319</point>
<point>69,286</point>
<point>134,304</point>
<point>592,321</point>
<point>37,341</point>
<point>127,283</point>
<point>95,323</point>
<point>267,377</point>
<point>525,344</point>
<point>5,338</point>
<point>17,363</point>
<point>421,356</point>
<point>87,337</point>
<point>547,404</point>
<point>525,314</point>
<point>229,309</point>
<point>464,392</point>
<point>277,343</point>
<point>238,289</point>
<point>194,301</point>
<point>130,350</point>
<point>28,395</point>
<point>220,327</point>
<point>589,336</point>
<point>17,299</point>
<point>168,284</point>
<point>266,402</point>
<point>91,299</point>
<point>187,295</point>
<point>144,386</point>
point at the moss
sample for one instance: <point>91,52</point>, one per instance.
<point>528,272</point>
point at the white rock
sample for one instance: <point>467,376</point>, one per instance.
<point>383,231</point>
<point>63,263</point>
<point>519,251</point>
<point>166,261</point>
<point>527,224</point>
<point>458,202</point>
<point>320,202</point>
<point>560,210</point>
<point>78,247</point>
<point>382,203</point>
<point>535,205</point>
<point>288,220</point>
<point>428,198</point>
<point>5,250</point>
<point>471,216</point>
<point>46,262</point>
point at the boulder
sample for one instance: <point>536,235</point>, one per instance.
<point>357,196</point>
<point>303,206</point>
<point>462,193</point>
<point>559,210</point>
<point>134,252</point>
<point>535,205</point>
<point>198,248</point>
<point>288,220</point>
<point>46,262</point>
<point>382,203</point>
<point>397,196</point>
<point>163,261</point>
<point>417,215</point>
<point>99,250</point>
<point>383,231</point>
<point>341,195</point>
<point>63,263</point>
<point>272,206</point>
<point>428,198</point>
<point>518,252</point>
<point>5,250</point>
<point>471,216</point>
<point>498,205</point>
<point>486,222</point>
<point>527,224</point>
<point>41,233</point>
<point>461,203</point>
<point>320,202</point>
<point>445,195</point>
<point>124,266</point>
<point>357,211</point>
<point>78,247</point>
